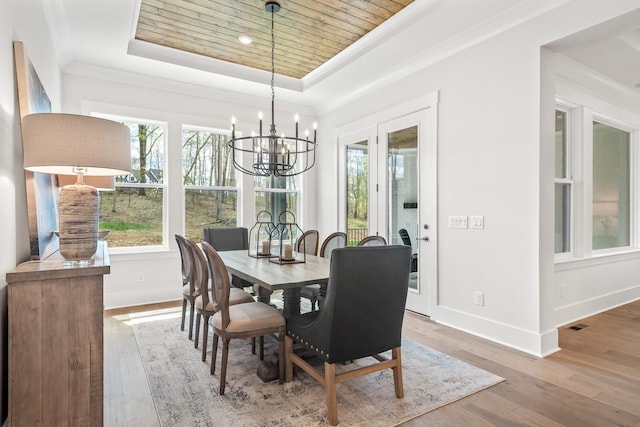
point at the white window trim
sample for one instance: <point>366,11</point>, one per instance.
<point>580,145</point>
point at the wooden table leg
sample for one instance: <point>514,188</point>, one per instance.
<point>291,300</point>
<point>264,294</point>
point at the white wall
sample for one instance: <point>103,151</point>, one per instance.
<point>489,163</point>
<point>20,20</point>
<point>147,276</point>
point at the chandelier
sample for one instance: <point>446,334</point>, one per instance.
<point>273,154</point>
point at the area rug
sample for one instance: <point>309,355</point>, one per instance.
<point>186,395</point>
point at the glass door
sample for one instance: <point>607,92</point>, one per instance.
<point>407,199</point>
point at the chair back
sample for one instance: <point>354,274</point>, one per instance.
<point>220,285</point>
<point>373,241</point>
<point>333,241</point>
<point>185,259</point>
<point>308,242</point>
<point>404,235</point>
<point>227,238</point>
<point>200,272</point>
<point>364,307</point>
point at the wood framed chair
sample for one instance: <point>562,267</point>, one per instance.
<point>239,321</point>
<point>316,293</point>
<point>373,241</point>
<point>189,293</point>
<point>308,242</point>
<point>353,323</point>
<point>204,302</point>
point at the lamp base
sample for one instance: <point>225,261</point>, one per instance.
<point>78,229</point>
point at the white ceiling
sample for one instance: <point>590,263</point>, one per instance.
<point>93,35</point>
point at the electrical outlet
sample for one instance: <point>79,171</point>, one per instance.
<point>478,298</point>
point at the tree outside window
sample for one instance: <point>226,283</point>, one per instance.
<point>134,211</point>
<point>209,181</point>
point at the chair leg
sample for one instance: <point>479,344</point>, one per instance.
<point>205,337</point>
<point>288,346</point>
<point>195,340</point>
<point>330,390</point>
<point>261,347</point>
<point>214,353</point>
<point>253,345</point>
<point>191,318</point>
<point>281,357</point>
<point>397,372</point>
<point>184,313</point>
<point>223,370</point>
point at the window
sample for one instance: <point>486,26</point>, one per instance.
<point>563,185</point>
<point>134,211</point>
<point>357,191</point>
<point>611,187</point>
<point>276,195</point>
<point>209,181</point>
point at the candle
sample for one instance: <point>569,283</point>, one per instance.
<point>265,247</point>
<point>288,251</point>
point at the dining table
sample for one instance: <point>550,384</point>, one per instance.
<point>271,276</point>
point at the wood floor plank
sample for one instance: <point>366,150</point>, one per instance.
<point>593,381</point>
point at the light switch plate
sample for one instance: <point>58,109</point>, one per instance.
<point>477,221</point>
<point>457,221</point>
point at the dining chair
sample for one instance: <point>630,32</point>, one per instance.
<point>204,302</point>
<point>248,320</point>
<point>315,293</point>
<point>373,241</point>
<point>354,324</point>
<point>188,290</point>
<point>406,240</point>
<point>229,239</point>
<point>308,243</point>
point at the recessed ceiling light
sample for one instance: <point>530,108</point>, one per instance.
<point>244,39</point>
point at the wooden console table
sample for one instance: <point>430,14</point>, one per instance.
<point>56,342</point>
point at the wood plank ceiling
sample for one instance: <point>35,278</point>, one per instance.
<point>307,32</point>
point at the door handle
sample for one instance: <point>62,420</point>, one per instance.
<point>426,238</point>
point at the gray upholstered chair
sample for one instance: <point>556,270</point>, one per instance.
<point>406,240</point>
<point>229,239</point>
<point>189,293</point>
<point>204,302</point>
<point>315,293</point>
<point>373,241</point>
<point>361,316</point>
<point>239,321</point>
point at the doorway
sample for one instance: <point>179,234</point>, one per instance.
<point>388,187</point>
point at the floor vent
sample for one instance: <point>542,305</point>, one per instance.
<point>578,327</point>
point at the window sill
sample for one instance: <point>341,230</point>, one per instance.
<point>141,253</point>
<point>571,263</point>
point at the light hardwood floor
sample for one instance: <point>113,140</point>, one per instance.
<point>593,381</point>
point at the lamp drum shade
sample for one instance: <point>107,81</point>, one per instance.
<point>58,143</point>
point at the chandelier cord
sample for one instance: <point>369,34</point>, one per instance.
<point>273,72</point>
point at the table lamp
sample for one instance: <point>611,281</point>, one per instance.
<point>82,145</point>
